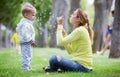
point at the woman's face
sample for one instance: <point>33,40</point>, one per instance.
<point>74,19</point>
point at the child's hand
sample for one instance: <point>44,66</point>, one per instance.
<point>33,44</point>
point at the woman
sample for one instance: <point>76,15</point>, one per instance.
<point>108,37</point>
<point>78,43</point>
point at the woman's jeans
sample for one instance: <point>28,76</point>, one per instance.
<point>66,65</point>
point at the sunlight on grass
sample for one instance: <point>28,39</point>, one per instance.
<point>10,64</point>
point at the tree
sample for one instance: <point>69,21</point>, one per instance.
<point>9,11</point>
<point>74,5</point>
<point>60,7</point>
<point>9,15</point>
<point>0,36</point>
<point>102,9</point>
<point>43,14</point>
<point>115,46</point>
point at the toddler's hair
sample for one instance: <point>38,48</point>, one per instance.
<point>27,7</point>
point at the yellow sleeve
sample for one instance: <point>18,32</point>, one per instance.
<point>66,40</point>
<point>63,41</point>
<point>69,48</point>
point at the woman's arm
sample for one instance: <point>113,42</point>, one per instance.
<point>62,41</point>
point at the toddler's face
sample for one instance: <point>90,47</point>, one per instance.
<point>31,15</point>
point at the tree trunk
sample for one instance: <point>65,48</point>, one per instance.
<point>41,31</point>
<point>45,41</point>
<point>102,9</point>
<point>115,46</point>
<point>60,7</point>
<point>7,39</point>
<point>73,6</point>
<point>0,36</point>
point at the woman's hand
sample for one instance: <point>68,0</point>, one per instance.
<point>60,20</point>
<point>63,32</point>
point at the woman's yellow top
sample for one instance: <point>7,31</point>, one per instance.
<point>78,44</point>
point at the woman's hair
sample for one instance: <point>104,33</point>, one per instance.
<point>84,21</point>
<point>27,8</point>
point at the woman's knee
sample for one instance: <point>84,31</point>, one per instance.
<point>58,58</point>
<point>55,58</point>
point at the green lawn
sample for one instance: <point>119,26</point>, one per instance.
<point>10,64</point>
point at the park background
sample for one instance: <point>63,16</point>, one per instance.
<point>99,12</point>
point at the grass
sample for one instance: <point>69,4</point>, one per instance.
<point>10,64</point>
